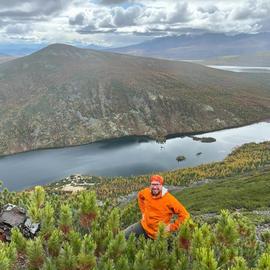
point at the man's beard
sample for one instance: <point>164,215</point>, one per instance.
<point>155,193</point>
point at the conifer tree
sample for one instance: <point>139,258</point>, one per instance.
<point>117,246</point>
<point>18,240</point>
<point>54,243</point>
<point>106,264</point>
<point>113,222</point>
<point>248,244</point>
<point>65,219</point>
<point>204,259</point>
<point>264,262</point>
<point>158,250</point>
<point>11,254</point>
<point>185,235</point>
<point>227,229</point>
<point>122,263</point>
<point>198,239</point>
<point>227,238</point>
<point>49,264</point>
<point>88,209</point>
<point>239,264</point>
<point>36,203</point>
<point>131,249</point>
<point>102,238</point>
<point>35,254</point>
<point>4,261</point>
<point>7,256</point>
<point>47,221</point>
<point>183,263</point>
<point>266,237</point>
<point>75,241</point>
<point>67,260</point>
<point>86,257</point>
<point>106,210</point>
<point>5,196</point>
<point>141,261</point>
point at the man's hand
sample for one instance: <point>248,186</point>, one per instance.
<point>168,228</point>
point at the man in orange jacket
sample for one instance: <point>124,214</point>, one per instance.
<point>157,206</point>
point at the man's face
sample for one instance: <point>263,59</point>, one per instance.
<point>155,188</point>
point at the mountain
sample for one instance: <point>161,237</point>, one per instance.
<point>204,46</point>
<point>63,95</point>
<point>4,58</point>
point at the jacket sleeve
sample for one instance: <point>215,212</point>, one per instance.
<point>141,201</point>
<point>179,210</point>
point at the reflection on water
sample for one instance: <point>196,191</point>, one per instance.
<point>126,156</point>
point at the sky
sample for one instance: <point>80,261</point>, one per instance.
<point>115,23</point>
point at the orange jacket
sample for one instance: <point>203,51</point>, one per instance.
<point>160,209</point>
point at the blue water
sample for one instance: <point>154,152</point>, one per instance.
<point>123,157</point>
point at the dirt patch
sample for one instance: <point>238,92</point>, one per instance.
<point>72,189</point>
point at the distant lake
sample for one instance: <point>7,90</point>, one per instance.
<point>127,156</point>
<point>242,68</point>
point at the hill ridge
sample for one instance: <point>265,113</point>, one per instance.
<point>60,97</point>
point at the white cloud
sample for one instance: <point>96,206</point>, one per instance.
<point>125,17</point>
<point>115,21</point>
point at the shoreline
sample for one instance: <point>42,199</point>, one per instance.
<point>138,137</point>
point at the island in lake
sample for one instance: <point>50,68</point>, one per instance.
<point>180,158</point>
<point>204,139</point>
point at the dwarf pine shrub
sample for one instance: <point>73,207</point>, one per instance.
<point>230,243</point>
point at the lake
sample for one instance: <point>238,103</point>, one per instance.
<point>125,157</point>
<point>242,68</point>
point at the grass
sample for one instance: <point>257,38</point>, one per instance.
<point>248,193</point>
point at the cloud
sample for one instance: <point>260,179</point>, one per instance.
<point>179,13</point>
<point>169,30</point>
<point>105,21</point>
<point>210,9</point>
<point>78,19</point>
<point>133,17</point>
<point>2,23</point>
<point>112,2</point>
<point>251,10</point>
<point>18,29</point>
<point>31,9</point>
<point>91,29</point>
<point>125,17</point>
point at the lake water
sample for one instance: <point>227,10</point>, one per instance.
<point>128,156</point>
<point>242,68</point>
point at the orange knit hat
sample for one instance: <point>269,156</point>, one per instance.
<point>157,178</point>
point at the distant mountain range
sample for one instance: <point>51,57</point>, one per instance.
<point>210,48</point>
<point>63,95</point>
<point>196,47</point>
<point>14,49</point>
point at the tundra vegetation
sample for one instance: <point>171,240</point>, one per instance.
<point>84,230</point>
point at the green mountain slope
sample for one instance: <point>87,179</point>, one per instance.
<point>239,192</point>
<point>63,96</point>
